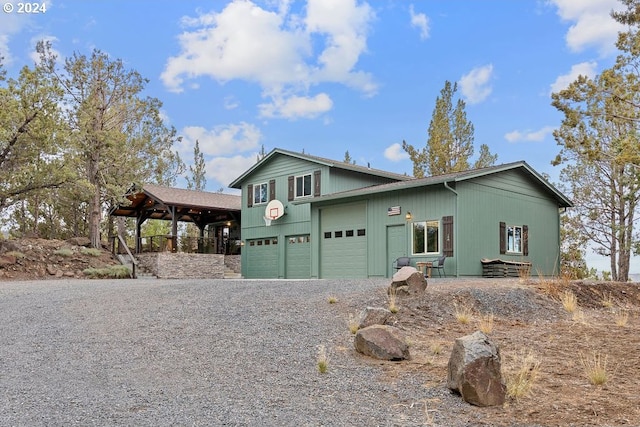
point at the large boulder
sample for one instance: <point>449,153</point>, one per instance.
<point>373,316</point>
<point>408,281</point>
<point>79,241</point>
<point>474,370</point>
<point>382,342</point>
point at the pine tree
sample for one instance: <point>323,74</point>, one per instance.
<point>450,139</point>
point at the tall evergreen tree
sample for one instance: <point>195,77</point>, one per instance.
<point>32,135</point>
<point>116,136</point>
<point>600,144</point>
<point>450,139</point>
<point>198,179</point>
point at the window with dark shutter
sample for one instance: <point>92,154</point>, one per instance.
<point>447,236</point>
<point>503,238</point>
<point>272,189</point>
<point>249,195</point>
<point>316,183</point>
<point>525,240</point>
<point>291,188</point>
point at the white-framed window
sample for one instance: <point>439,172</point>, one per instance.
<point>260,193</point>
<point>425,237</point>
<point>514,239</point>
<point>303,185</point>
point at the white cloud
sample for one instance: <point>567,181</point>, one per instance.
<point>421,22</point>
<point>587,69</point>
<point>219,141</point>
<point>592,24</point>
<point>530,136</point>
<point>226,169</point>
<point>274,48</point>
<point>475,86</point>
<point>395,153</point>
<point>297,106</point>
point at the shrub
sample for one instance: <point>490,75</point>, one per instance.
<point>63,252</point>
<point>112,272</point>
<point>521,375</point>
<point>332,299</point>
<point>91,251</point>
<point>16,254</point>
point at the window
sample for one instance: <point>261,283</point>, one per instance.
<point>303,185</point>
<point>349,233</point>
<point>362,232</point>
<point>337,234</point>
<point>260,193</point>
<point>425,237</point>
<point>327,234</point>
<point>514,239</point>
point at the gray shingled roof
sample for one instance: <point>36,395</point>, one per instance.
<point>193,198</point>
<point>446,178</point>
<point>237,183</point>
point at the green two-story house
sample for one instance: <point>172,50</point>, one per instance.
<point>342,220</point>
<point>283,247</point>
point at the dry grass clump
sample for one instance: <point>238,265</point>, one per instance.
<point>322,359</point>
<point>521,375</point>
<point>332,299</point>
<point>436,348</point>
<point>463,313</point>
<point>353,323</point>
<point>607,300</point>
<point>621,317</point>
<point>485,324</point>
<point>569,301</point>
<point>393,306</point>
<point>595,367</point>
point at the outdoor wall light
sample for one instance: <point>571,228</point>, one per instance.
<point>408,216</point>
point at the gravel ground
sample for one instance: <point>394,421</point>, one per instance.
<point>196,353</point>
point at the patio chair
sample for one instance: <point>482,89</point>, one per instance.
<point>439,265</point>
<point>403,261</point>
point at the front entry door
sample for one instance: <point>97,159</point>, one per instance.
<point>396,245</point>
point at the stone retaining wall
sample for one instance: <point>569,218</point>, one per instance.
<point>166,265</point>
<point>232,262</point>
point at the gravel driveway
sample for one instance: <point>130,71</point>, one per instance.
<point>193,352</point>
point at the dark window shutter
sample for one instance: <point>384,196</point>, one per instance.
<point>291,186</point>
<point>503,238</point>
<point>447,236</point>
<point>316,183</point>
<point>272,189</point>
<point>525,240</point>
<point>249,195</point>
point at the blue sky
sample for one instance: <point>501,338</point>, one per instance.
<point>327,76</point>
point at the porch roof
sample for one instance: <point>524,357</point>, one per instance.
<point>200,207</point>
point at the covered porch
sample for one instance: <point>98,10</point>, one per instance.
<point>216,215</point>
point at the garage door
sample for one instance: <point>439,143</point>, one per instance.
<point>298,259</point>
<point>343,246</point>
<point>262,258</point>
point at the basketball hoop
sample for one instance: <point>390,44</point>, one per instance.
<point>273,211</point>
